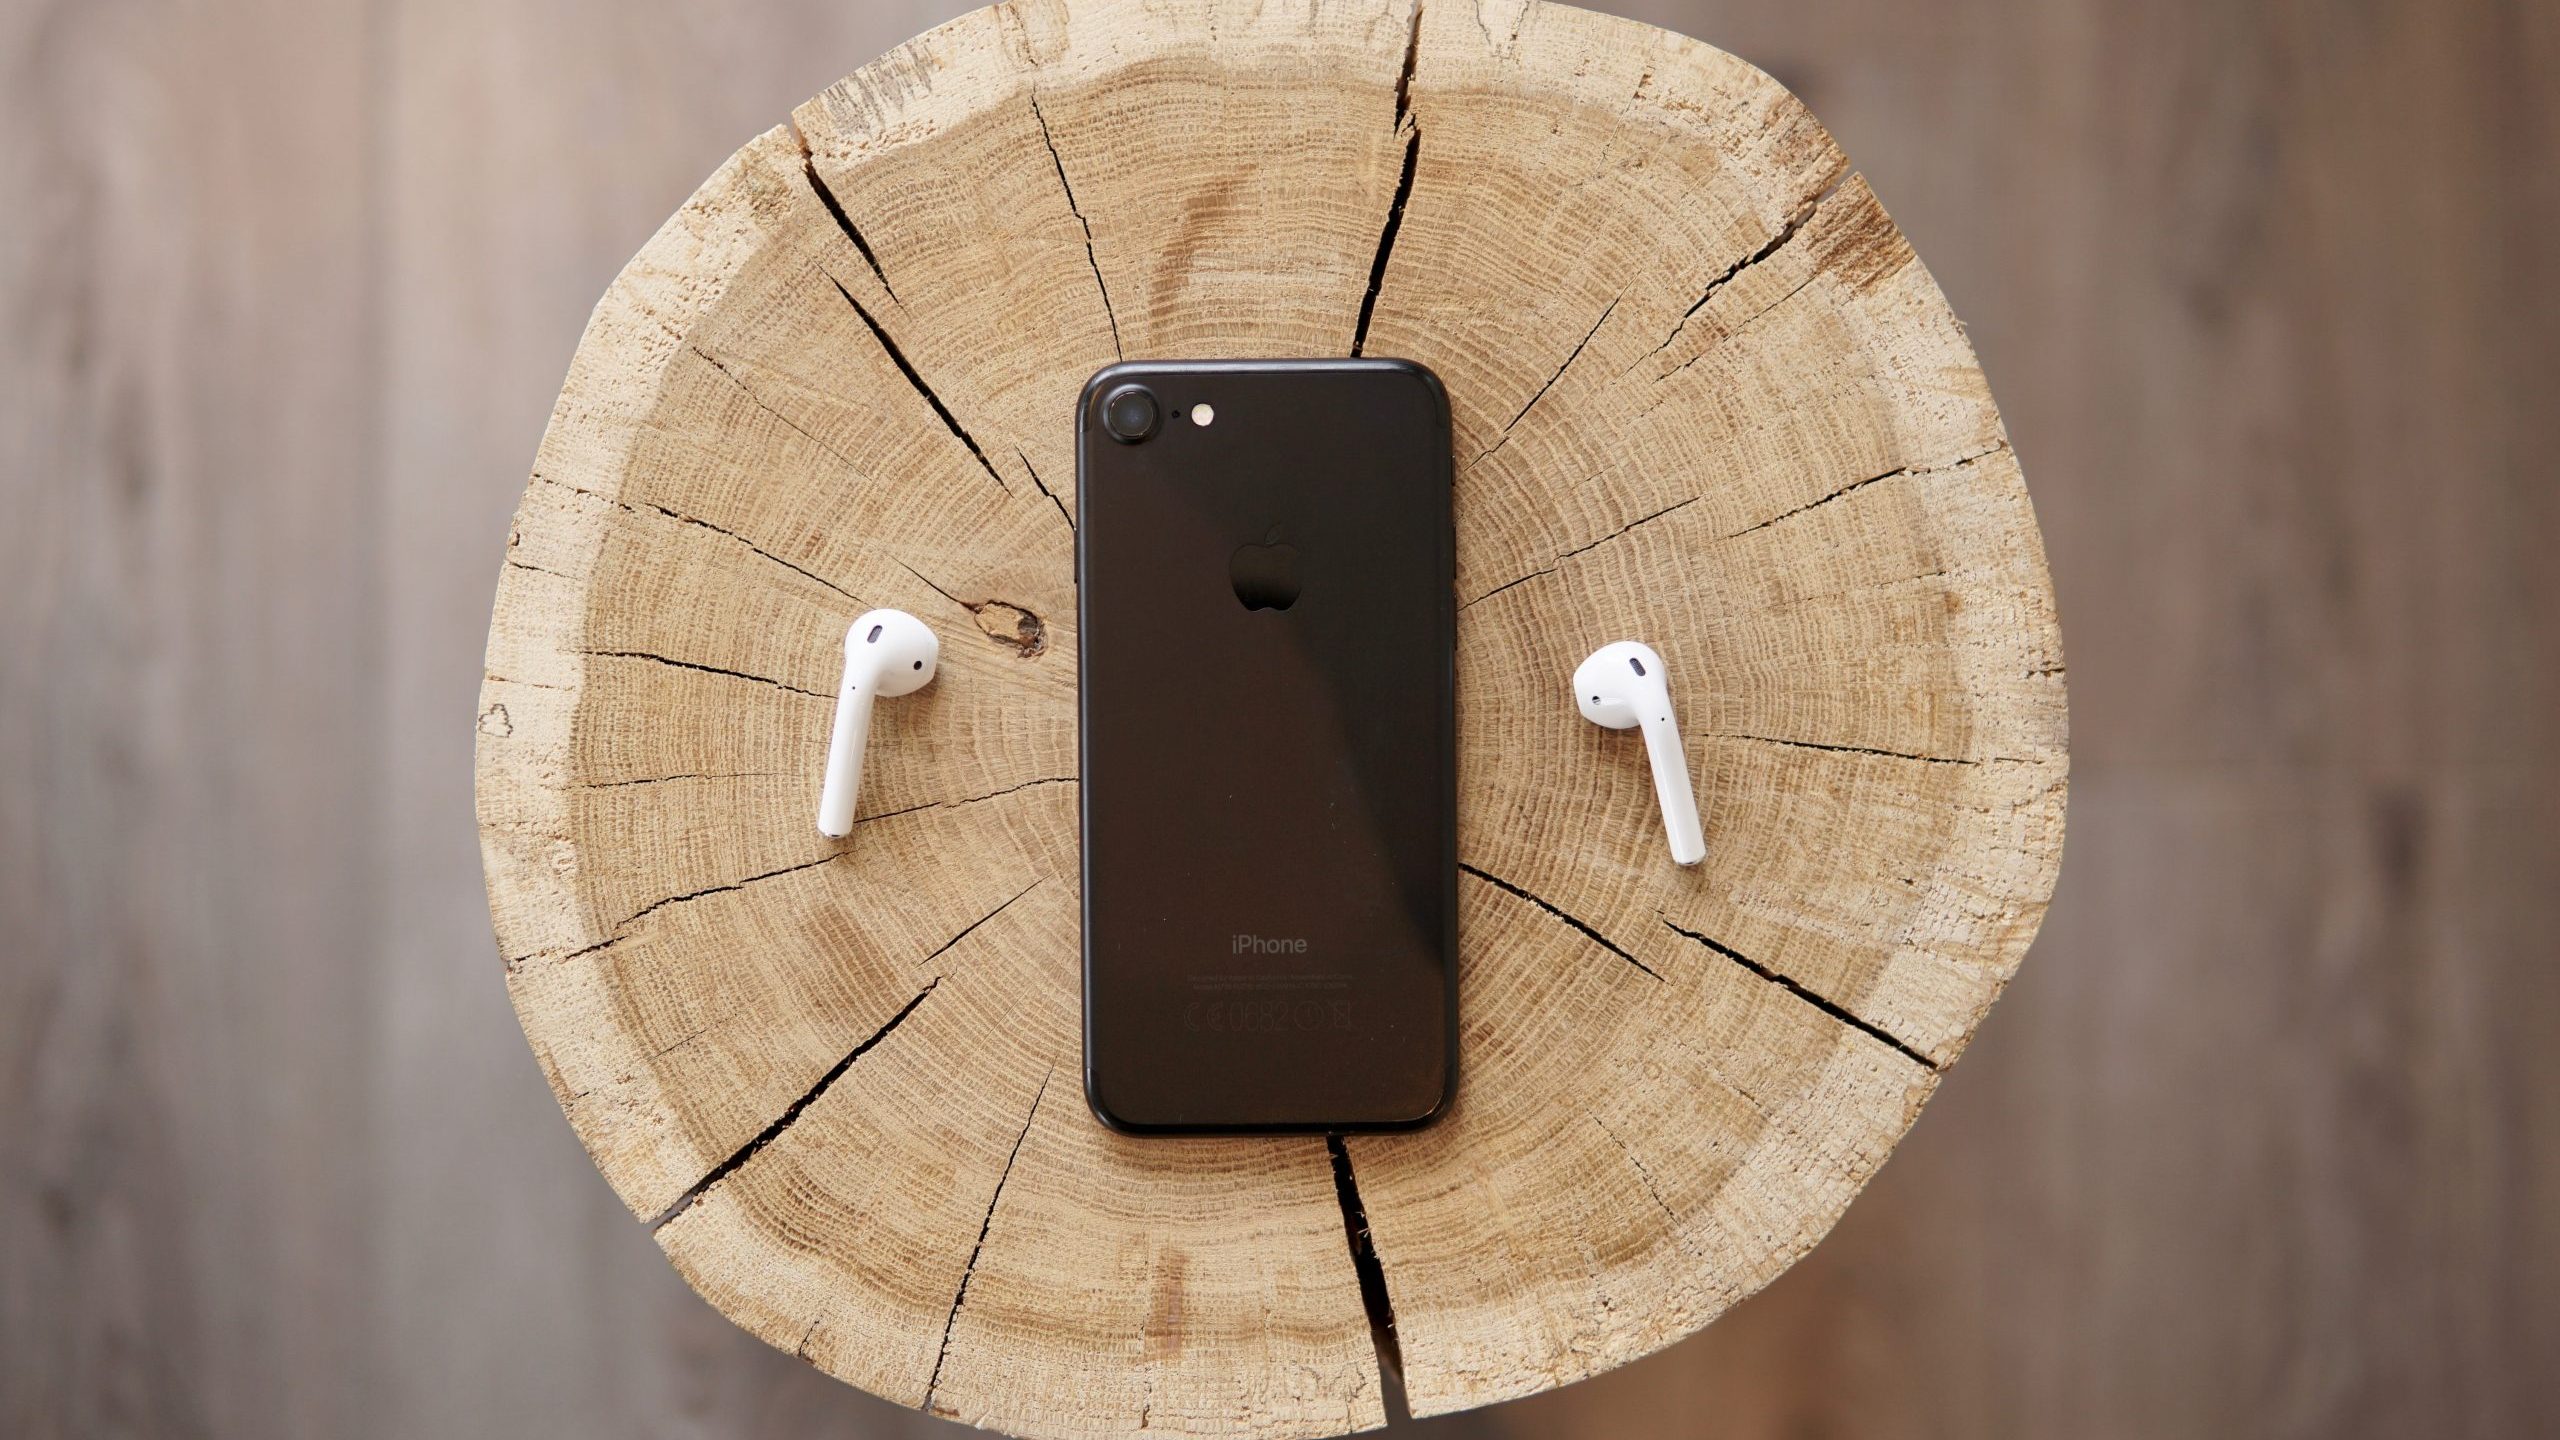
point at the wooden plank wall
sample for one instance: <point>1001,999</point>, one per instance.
<point>2265,1140</point>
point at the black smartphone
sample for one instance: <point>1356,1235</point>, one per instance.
<point>1267,666</point>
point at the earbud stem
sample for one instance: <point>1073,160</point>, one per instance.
<point>843,786</point>
<point>1671,786</point>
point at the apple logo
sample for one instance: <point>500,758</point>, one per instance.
<point>1265,575</point>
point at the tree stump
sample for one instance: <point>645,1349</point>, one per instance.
<point>1704,395</point>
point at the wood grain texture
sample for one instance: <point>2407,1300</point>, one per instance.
<point>824,1071</point>
<point>2266,1139</point>
<point>187,684</point>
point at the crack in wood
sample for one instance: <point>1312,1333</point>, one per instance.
<point>1408,125</point>
<point>1839,749</point>
<point>681,518</point>
<point>1412,57</point>
<point>691,775</point>
<point>681,1042</point>
<point>1387,234</point>
<point>944,948</point>
<point>1044,489</point>
<point>835,208</point>
<point>792,1112</point>
<point>1645,1177</point>
<point>960,1297</point>
<point>915,378</point>
<point>1807,994</point>
<point>713,1025</point>
<point>1371,1272</point>
<point>1787,232</point>
<point>622,928</point>
<point>1505,585</point>
<point>966,800</point>
<point>1090,258</point>
<point>1855,486</point>
<point>1576,921</point>
<point>707,358</point>
<point>1523,412</point>
<point>705,669</point>
<point>1748,322</point>
<point>1907,470</point>
<point>1583,550</point>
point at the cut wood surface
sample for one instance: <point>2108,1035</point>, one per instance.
<point>1704,394</point>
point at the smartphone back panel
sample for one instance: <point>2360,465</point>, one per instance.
<point>1267,664</point>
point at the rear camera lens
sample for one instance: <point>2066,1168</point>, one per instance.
<point>1130,414</point>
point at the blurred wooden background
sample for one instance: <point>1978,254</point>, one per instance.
<point>2264,1141</point>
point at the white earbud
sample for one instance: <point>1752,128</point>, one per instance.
<point>1622,686</point>
<point>887,652</point>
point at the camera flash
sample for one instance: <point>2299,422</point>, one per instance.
<point>1202,414</point>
